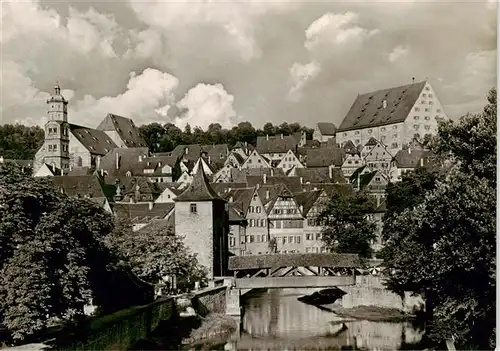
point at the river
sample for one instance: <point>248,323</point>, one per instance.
<point>276,320</point>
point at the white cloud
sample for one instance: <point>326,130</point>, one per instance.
<point>235,19</point>
<point>398,53</point>
<point>339,30</point>
<point>300,74</point>
<point>147,95</point>
<point>205,104</point>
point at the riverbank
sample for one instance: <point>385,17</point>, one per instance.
<point>214,328</point>
<point>372,314</point>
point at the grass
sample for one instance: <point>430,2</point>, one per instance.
<point>372,314</point>
<point>212,326</point>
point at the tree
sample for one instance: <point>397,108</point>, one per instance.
<point>53,257</point>
<point>346,228</point>
<point>20,142</point>
<point>155,252</point>
<point>444,247</point>
<point>153,134</point>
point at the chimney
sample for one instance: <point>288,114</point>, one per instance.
<point>229,189</point>
<point>150,205</point>
<point>98,162</point>
<point>117,161</point>
<point>186,151</point>
<point>413,80</point>
<point>272,172</point>
<point>1,159</point>
<point>359,180</point>
<point>384,104</point>
<point>70,168</point>
<point>267,136</point>
<point>378,201</point>
<point>230,199</point>
<point>258,186</point>
<point>62,172</point>
<point>422,162</point>
<point>281,135</point>
<point>140,158</point>
<point>409,150</point>
<point>267,194</point>
<point>330,172</point>
<point>209,160</point>
<point>301,180</point>
<point>264,178</point>
<point>301,208</point>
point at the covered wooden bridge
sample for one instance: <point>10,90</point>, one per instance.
<point>294,270</point>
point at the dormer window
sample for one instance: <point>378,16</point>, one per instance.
<point>193,208</point>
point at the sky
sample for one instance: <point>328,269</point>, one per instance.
<point>210,61</point>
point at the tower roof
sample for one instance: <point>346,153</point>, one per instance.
<point>199,189</point>
<point>57,97</point>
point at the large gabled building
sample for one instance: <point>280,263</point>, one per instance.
<point>393,116</point>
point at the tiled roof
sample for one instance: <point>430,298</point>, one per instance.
<point>199,189</point>
<point>173,187</point>
<point>95,141</point>
<point>221,188</point>
<point>241,175</point>
<point>368,111</point>
<point>156,226</point>
<point>313,175</point>
<point>215,151</point>
<point>330,188</point>
<point>53,169</point>
<point>125,128</point>
<point>234,214</point>
<point>87,185</point>
<point>350,148</point>
<point>80,171</point>
<point>241,198</point>
<point>292,183</point>
<point>324,157</point>
<point>128,160</point>
<point>409,159</point>
<point>276,144</point>
<point>307,200</point>
<point>327,128</point>
<point>372,142</point>
<point>140,212</point>
<point>354,175</point>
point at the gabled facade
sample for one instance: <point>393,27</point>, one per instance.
<point>274,148</point>
<point>378,158</point>
<point>351,164</point>
<point>393,116</point>
<point>289,161</point>
<point>223,175</point>
<point>256,160</point>
<point>234,160</point>
<point>122,131</point>
<point>257,233</point>
<point>48,170</point>
<point>312,228</point>
<point>201,220</point>
<point>185,178</point>
<point>286,224</point>
<point>206,168</point>
<point>407,160</point>
<point>169,193</point>
<point>324,131</point>
<point>242,149</point>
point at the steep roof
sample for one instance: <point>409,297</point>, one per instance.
<point>307,200</point>
<point>410,158</point>
<point>95,141</point>
<point>313,175</point>
<point>128,160</point>
<point>199,189</point>
<point>330,188</point>
<point>221,188</point>
<point>372,142</point>
<point>140,212</point>
<point>125,128</point>
<point>276,144</point>
<point>327,128</point>
<point>241,198</point>
<point>87,185</point>
<point>325,157</point>
<point>368,111</point>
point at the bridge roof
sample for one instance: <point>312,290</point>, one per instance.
<point>293,260</point>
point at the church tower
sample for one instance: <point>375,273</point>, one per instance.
<point>56,145</point>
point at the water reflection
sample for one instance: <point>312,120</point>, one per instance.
<point>277,320</point>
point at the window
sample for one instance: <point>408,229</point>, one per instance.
<point>427,109</point>
<point>438,110</point>
<point>430,95</point>
<point>232,242</point>
<point>427,127</point>
<point>422,101</point>
<point>382,137</point>
<point>416,126</point>
<point>417,109</point>
<point>382,129</point>
<point>430,102</point>
<point>394,127</point>
<point>427,88</point>
<point>257,209</point>
<point>252,238</point>
<point>427,118</point>
<point>415,118</point>
<point>318,236</point>
<point>54,147</point>
<point>290,239</point>
<point>357,141</point>
<point>356,132</point>
<point>193,208</point>
<point>370,131</point>
<point>345,134</point>
<point>424,95</point>
<point>309,236</point>
<point>394,145</point>
<point>394,136</point>
<point>297,239</point>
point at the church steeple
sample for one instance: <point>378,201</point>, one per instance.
<point>58,106</point>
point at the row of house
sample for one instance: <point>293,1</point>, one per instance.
<point>245,199</point>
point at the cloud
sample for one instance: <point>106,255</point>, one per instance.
<point>398,53</point>
<point>339,30</point>
<point>266,54</point>
<point>148,95</point>
<point>205,104</point>
<point>300,74</point>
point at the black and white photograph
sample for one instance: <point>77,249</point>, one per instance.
<point>248,175</point>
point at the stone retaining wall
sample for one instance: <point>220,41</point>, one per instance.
<point>210,300</point>
<point>370,291</point>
